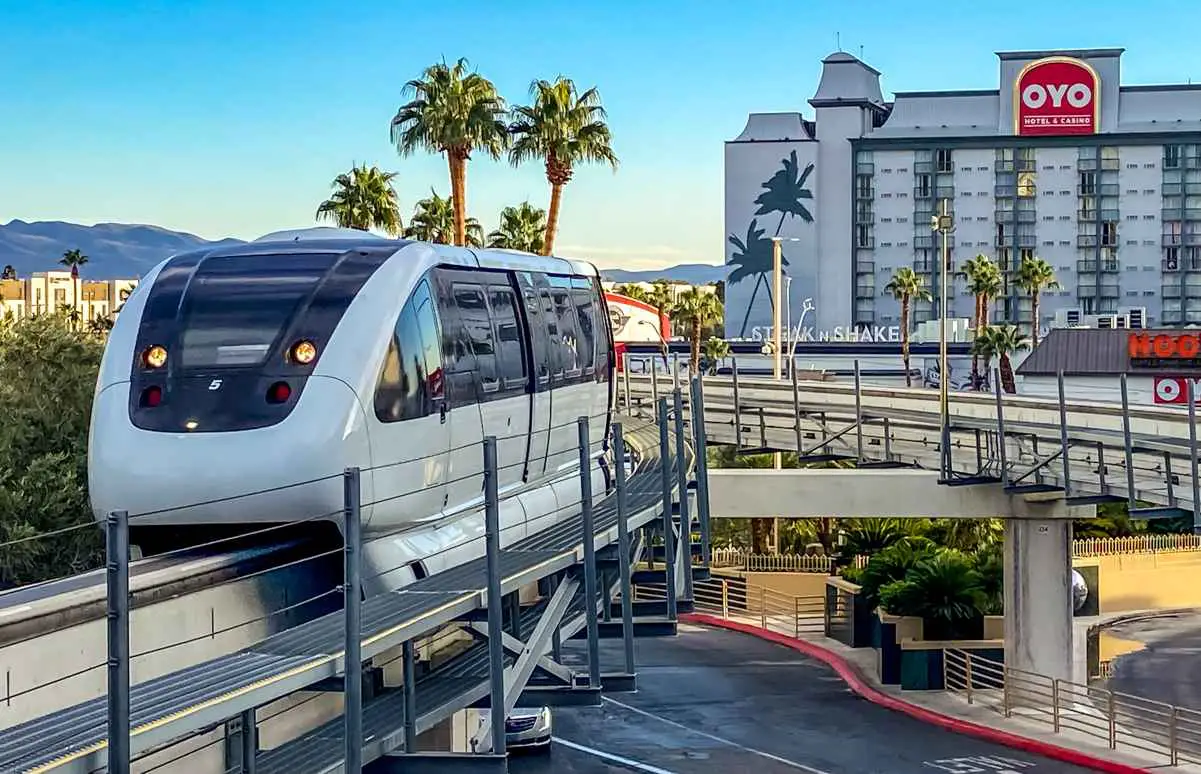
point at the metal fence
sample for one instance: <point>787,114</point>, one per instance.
<point>1122,721</point>
<point>741,559</point>
<point>735,599</point>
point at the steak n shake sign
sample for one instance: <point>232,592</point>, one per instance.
<point>1057,95</point>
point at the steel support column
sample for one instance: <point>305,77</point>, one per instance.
<point>1001,428</point>
<point>702,465</point>
<point>1128,443</point>
<point>117,576</point>
<point>589,528</point>
<point>623,545</point>
<point>496,661</point>
<point>669,553</point>
<point>353,599</point>
<point>250,742</point>
<point>682,484</point>
<point>410,695</point>
<point>858,416</point>
<point>1064,444</point>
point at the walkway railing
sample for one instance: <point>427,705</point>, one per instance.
<point>741,559</point>
<point>735,599</point>
<point>1120,720</point>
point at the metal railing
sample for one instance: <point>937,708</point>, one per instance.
<point>1122,721</point>
<point>736,600</point>
<point>747,561</point>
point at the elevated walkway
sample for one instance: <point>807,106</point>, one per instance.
<point>873,494</point>
<point>201,696</point>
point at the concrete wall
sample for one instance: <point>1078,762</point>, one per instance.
<point>1166,579</point>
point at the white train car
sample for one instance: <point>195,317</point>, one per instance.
<point>241,381</point>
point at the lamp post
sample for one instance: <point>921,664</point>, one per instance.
<point>777,272</point>
<point>944,224</point>
<point>663,341</point>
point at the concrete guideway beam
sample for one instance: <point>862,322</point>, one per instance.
<point>873,494</point>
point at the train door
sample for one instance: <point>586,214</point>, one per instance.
<point>465,457</point>
<point>411,443</point>
<point>542,362</point>
<point>498,341</point>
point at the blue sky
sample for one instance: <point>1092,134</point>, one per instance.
<point>230,118</point>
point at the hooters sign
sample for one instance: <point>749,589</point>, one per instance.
<point>1164,350</point>
<point>1057,95</point>
<point>1173,390</point>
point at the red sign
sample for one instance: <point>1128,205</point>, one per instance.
<point>1173,390</point>
<point>1056,95</point>
<point>1164,346</point>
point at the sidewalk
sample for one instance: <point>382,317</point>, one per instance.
<point>857,667</point>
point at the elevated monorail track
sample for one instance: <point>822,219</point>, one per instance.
<point>187,701</point>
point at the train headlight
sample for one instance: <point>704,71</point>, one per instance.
<point>304,352</point>
<point>155,356</point>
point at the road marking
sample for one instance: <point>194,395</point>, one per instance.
<point>628,763</point>
<point>718,739</point>
<point>991,763</point>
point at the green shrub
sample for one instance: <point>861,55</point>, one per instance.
<point>892,564</point>
<point>944,590</point>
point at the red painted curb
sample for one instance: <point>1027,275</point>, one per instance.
<point>850,674</point>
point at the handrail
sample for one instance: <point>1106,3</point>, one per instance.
<point>1121,720</point>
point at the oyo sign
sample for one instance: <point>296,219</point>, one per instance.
<point>1173,390</point>
<point>1057,95</point>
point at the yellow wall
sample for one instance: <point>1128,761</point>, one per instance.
<point>1165,579</point>
<point>792,584</point>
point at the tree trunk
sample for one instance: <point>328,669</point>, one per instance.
<point>1034,319</point>
<point>760,531</point>
<point>458,192</point>
<point>1007,382</point>
<point>696,345</point>
<point>905,339</point>
<point>552,219</point>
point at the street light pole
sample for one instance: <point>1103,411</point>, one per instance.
<point>944,224</point>
<point>777,272</point>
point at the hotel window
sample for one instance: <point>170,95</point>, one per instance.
<point>863,186</point>
<point>922,188</point>
<point>1088,183</point>
<point>1109,234</point>
<point>1026,185</point>
<point>943,160</point>
<point>863,236</point>
<point>1171,156</point>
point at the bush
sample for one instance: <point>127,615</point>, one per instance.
<point>944,590</point>
<point>47,378</point>
<point>891,565</point>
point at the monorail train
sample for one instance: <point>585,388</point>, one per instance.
<point>239,382</point>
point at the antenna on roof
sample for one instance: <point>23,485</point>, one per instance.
<point>861,51</point>
<point>838,40</point>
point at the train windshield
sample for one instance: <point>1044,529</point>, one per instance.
<point>236,306</point>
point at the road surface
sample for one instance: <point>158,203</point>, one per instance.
<point>716,702</point>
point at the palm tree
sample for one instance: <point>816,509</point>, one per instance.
<point>716,350</point>
<point>905,286</point>
<point>73,259</point>
<point>984,281</point>
<point>1001,341</point>
<point>1034,276</point>
<point>661,296</point>
<point>434,221</point>
<point>454,112</point>
<point>9,273</point>
<point>521,228</point>
<point>563,128</point>
<point>697,310</point>
<point>636,292</point>
<point>363,199</point>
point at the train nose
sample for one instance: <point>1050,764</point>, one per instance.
<point>289,471</point>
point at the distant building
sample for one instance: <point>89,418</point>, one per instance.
<point>677,288</point>
<point>49,291</point>
<point>1159,365</point>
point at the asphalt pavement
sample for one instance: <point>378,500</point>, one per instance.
<point>719,702</point>
<point>1167,668</point>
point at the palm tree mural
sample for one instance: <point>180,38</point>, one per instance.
<point>784,193</point>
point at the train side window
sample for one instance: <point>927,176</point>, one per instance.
<point>477,325</point>
<point>543,361</point>
<point>431,342</point>
<point>557,356</point>
<point>582,296</point>
<point>604,335</point>
<point>401,392</point>
<point>458,368</point>
<point>569,328</point>
<point>510,353</point>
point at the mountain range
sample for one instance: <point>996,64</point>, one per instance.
<point>118,250</point>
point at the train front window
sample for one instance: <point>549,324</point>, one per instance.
<point>236,307</point>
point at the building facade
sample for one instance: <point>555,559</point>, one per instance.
<point>1061,161</point>
<point>49,291</point>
